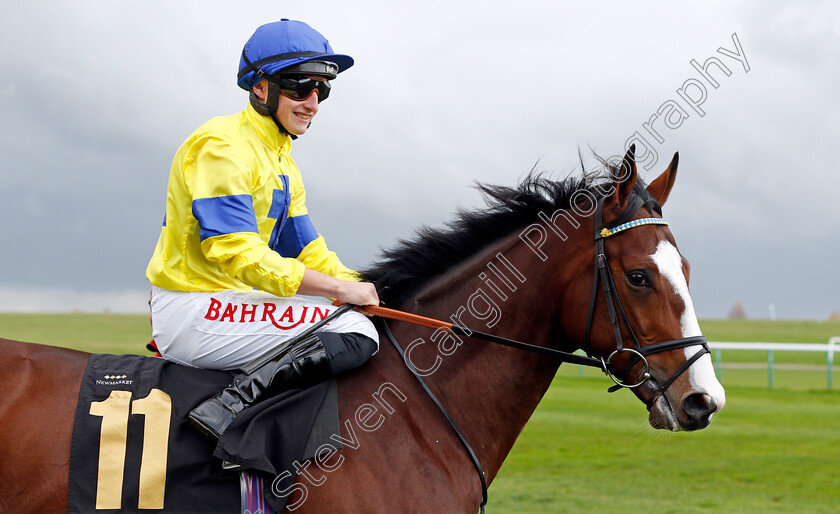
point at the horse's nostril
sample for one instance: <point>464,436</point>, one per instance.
<point>699,405</point>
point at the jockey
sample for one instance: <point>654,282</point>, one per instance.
<point>237,245</point>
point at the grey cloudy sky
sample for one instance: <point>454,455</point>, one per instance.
<point>96,96</point>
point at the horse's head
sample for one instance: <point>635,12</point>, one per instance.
<point>640,318</point>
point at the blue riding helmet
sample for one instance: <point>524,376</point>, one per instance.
<point>284,44</point>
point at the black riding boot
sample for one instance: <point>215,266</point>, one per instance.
<point>302,364</point>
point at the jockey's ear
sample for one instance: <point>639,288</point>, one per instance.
<point>661,187</point>
<point>626,179</point>
<point>261,90</point>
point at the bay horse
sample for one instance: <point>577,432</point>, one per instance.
<point>522,268</point>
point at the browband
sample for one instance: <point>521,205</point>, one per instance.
<point>607,232</point>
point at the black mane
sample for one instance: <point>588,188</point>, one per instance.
<point>414,262</point>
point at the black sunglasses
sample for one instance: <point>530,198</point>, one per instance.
<point>299,88</point>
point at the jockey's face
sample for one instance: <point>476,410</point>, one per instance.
<point>294,115</point>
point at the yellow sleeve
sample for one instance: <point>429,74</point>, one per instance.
<point>220,183</point>
<point>318,257</point>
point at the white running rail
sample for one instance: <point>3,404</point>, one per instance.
<point>829,350</point>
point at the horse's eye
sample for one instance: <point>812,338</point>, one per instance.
<point>639,279</point>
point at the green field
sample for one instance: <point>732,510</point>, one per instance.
<point>770,331</point>
<point>769,450</point>
<point>99,333</point>
<point>587,451</point>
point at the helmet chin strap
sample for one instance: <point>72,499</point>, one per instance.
<point>269,108</point>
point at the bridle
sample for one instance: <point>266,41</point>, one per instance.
<point>604,276</point>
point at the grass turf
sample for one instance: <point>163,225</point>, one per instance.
<point>102,333</point>
<point>586,451</point>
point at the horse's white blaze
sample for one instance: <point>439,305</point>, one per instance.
<point>702,372</point>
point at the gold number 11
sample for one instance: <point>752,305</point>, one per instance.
<point>114,410</point>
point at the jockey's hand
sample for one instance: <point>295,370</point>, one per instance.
<point>358,293</point>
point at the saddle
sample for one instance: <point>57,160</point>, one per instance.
<point>132,449</point>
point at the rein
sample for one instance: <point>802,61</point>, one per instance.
<point>464,331</point>
<point>473,456</point>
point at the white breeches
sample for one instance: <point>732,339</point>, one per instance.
<point>228,329</point>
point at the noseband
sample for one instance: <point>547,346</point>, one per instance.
<point>614,307</point>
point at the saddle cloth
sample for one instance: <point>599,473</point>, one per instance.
<point>133,451</point>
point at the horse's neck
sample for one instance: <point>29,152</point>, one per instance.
<point>490,390</point>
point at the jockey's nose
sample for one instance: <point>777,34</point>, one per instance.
<point>311,102</point>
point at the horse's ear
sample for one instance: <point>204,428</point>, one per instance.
<point>661,187</point>
<point>626,179</point>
